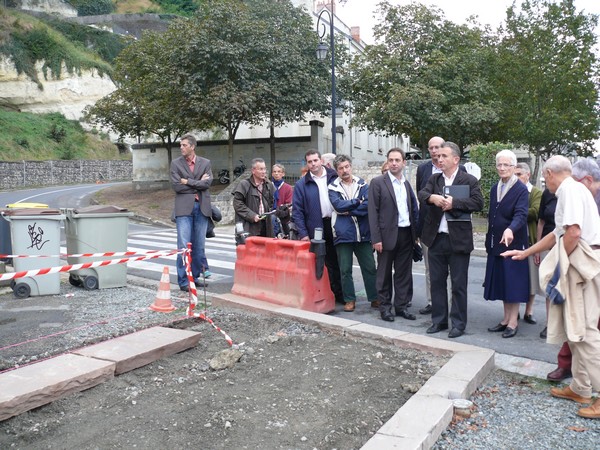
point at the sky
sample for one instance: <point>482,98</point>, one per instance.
<point>492,12</point>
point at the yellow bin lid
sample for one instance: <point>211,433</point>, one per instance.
<point>27,205</point>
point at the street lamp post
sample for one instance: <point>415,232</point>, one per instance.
<point>322,55</point>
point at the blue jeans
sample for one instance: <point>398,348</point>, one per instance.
<point>192,229</point>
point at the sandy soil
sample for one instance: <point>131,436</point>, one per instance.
<point>295,386</point>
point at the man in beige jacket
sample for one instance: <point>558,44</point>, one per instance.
<point>578,224</point>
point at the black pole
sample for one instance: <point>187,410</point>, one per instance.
<point>333,99</point>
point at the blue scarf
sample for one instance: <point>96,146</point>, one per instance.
<point>276,194</point>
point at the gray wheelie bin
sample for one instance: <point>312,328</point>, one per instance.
<point>35,232</point>
<point>5,244</point>
<point>97,229</point>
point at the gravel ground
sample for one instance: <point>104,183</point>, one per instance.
<point>516,412</point>
<point>294,386</point>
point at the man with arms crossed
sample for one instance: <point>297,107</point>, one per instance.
<point>191,177</point>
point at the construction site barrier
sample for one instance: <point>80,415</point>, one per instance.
<point>282,272</point>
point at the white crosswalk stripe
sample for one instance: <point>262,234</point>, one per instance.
<point>220,253</point>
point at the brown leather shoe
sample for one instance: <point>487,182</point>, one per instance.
<point>375,304</point>
<point>567,393</point>
<point>349,306</point>
<point>591,412</point>
<point>558,374</point>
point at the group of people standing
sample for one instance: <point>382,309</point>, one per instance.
<point>387,218</point>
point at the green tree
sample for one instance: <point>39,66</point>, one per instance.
<point>426,76</point>
<point>247,61</point>
<point>298,82</point>
<point>547,78</point>
<point>148,98</point>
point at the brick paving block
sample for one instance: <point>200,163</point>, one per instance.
<point>421,418</point>
<point>431,344</point>
<point>473,367</point>
<point>445,387</point>
<point>238,301</point>
<point>143,347</point>
<point>44,382</point>
<point>374,332</point>
<point>382,441</point>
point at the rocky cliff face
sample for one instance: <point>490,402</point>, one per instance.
<point>68,95</point>
<point>59,7</point>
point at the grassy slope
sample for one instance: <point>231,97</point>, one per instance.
<point>49,136</point>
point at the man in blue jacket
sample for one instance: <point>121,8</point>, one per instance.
<point>312,209</point>
<point>349,197</point>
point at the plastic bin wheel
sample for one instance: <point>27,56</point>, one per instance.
<point>74,281</point>
<point>22,290</point>
<point>90,283</point>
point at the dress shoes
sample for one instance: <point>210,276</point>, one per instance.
<point>592,411</point>
<point>426,310</point>
<point>529,319</point>
<point>498,328</point>
<point>375,304</point>
<point>544,333</point>
<point>510,332</point>
<point>199,283</point>
<point>185,288</point>
<point>455,332</point>
<point>559,374</point>
<point>406,315</point>
<point>388,317</point>
<point>349,306</point>
<point>436,328</point>
<point>567,393</point>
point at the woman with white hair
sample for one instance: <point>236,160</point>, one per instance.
<point>507,279</point>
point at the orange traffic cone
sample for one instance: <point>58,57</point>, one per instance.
<point>162,302</point>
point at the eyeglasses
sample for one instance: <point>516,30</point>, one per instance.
<point>504,166</point>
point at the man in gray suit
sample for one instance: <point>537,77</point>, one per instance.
<point>191,177</point>
<point>393,217</point>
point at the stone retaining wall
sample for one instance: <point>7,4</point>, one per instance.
<point>47,173</point>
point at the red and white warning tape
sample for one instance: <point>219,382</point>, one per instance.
<point>89,255</point>
<point>193,293</point>
<point>70,267</point>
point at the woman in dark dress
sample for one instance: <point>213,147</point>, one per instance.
<point>505,278</point>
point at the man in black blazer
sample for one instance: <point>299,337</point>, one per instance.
<point>450,241</point>
<point>393,216</point>
<point>191,177</point>
<point>424,172</point>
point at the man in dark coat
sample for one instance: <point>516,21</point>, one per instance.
<point>450,241</point>
<point>393,216</point>
<point>312,209</point>
<point>252,199</point>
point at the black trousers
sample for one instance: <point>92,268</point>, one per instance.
<point>442,259</point>
<point>331,261</point>
<point>400,258</point>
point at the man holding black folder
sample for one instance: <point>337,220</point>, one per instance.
<point>448,232</point>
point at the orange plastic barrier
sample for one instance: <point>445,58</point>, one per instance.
<point>281,272</point>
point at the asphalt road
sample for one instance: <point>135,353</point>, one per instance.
<point>482,314</point>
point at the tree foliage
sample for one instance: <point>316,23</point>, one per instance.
<point>246,61</point>
<point>148,99</point>
<point>426,76</point>
<point>234,61</point>
<point>547,77</point>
